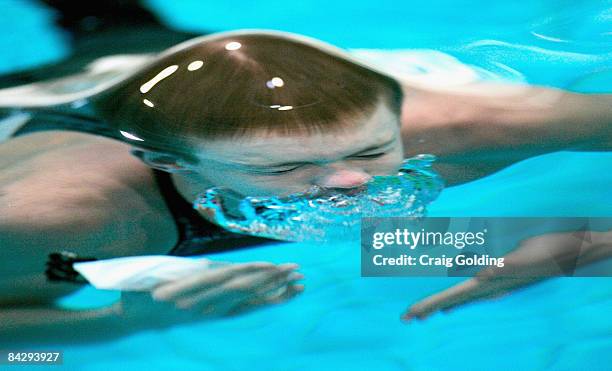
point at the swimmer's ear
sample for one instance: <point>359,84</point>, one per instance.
<point>161,161</point>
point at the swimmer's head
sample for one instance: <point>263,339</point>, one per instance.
<point>260,114</point>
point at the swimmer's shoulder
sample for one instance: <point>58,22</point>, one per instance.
<point>73,192</point>
<point>61,181</point>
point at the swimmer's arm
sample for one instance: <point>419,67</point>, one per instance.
<point>27,312</point>
<point>52,325</point>
<point>534,260</point>
<point>543,119</point>
<point>26,298</point>
<point>490,126</point>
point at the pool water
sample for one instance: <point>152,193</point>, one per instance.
<point>343,321</point>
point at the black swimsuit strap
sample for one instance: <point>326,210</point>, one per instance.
<point>188,222</point>
<point>196,234</point>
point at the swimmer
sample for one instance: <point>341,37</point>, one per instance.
<point>258,113</point>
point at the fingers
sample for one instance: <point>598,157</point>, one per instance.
<point>217,292</point>
<point>262,282</point>
<point>276,289</point>
<point>291,292</point>
<point>210,278</point>
<point>279,294</point>
<point>236,290</point>
<point>449,298</point>
<point>479,288</point>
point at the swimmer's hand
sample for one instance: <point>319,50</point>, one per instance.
<point>537,258</point>
<point>474,289</point>
<point>229,290</point>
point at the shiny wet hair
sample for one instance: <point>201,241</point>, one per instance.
<point>241,85</point>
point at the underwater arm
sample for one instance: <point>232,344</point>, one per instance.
<point>52,325</point>
<point>28,315</point>
<point>27,311</point>
<point>231,290</point>
<point>536,259</point>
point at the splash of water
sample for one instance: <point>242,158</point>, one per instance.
<point>326,215</point>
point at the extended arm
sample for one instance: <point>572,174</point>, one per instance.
<point>535,259</point>
<point>481,129</point>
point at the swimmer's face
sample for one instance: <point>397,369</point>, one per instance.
<point>271,164</point>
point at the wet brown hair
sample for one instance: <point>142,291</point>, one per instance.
<point>233,93</point>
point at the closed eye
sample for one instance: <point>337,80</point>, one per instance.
<point>370,155</point>
<point>273,172</point>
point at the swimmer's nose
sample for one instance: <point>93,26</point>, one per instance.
<point>344,178</point>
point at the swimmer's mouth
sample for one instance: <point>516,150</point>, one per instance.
<point>330,192</point>
<point>355,191</point>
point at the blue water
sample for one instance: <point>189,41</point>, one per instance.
<point>344,321</point>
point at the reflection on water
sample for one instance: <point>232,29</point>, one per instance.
<point>562,47</point>
<point>325,214</point>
